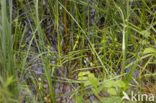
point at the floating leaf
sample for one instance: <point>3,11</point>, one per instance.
<point>145,33</point>
<point>93,80</point>
<point>87,83</point>
<point>144,42</point>
<point>149,50</point>
<point>119,83</point>
<point>83,78</point>
<point>91,75</point>
<point>111,91</point>
<point>83,73</point>
<point>109,84</point>
<point>113,99</point>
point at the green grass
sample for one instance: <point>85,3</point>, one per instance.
<point>80,51</point>
<point>7,61</point>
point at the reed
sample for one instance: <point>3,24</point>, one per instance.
<point>76,51</point>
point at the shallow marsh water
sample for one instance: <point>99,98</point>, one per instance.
<point>75,51</point>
